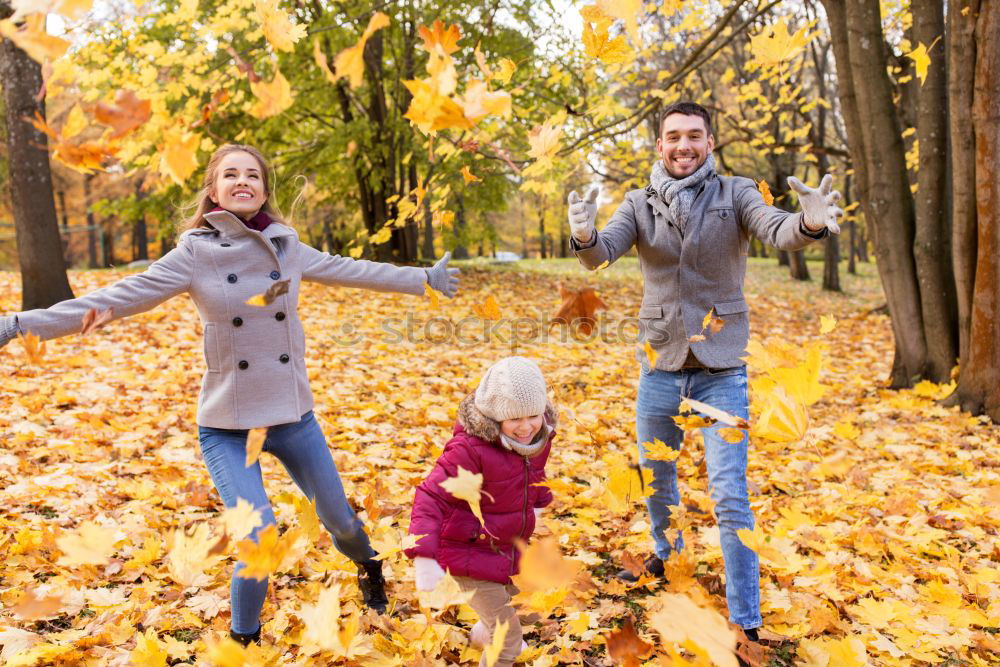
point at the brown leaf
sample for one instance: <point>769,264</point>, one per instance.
<point>625,647</point>
<point>220,546</point>
<point>715,326</point>
<point>93,320</point>
<point>126,114</point>
<point>697,338</point>
<point>578,308</point>
<point>632,563</point>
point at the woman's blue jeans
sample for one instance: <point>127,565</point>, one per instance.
<point>301,448</point>
<point>660,394</point>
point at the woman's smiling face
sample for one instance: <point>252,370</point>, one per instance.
<point>239,185</point>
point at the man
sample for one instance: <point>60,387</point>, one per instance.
<point>691,228</point>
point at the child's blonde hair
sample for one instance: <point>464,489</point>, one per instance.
<point>196,209</point>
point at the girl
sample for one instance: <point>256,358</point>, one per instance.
<point>234,247</point>
<point>504,432</point>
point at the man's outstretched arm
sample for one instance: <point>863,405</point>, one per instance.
<point>790,231</point>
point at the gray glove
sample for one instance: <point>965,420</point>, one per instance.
<point>8,329</point>
<point>443,279</point>
<point>583,214</point>
<point>818,204</point>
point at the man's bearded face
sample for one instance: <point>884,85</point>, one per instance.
<point>684,144</point>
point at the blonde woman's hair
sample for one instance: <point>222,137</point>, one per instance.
<point>195,210</point>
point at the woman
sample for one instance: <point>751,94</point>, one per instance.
<point>233,248</point>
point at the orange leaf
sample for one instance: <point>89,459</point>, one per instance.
<point>93,320</point>
<point>126,114</point>
<point>34,347</point>
<point>440,39</point>
<point>626,647</point>
<point>255,444</point>
<point>765,192</point>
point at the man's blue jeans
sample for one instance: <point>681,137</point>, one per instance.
<point>302,449</point>
<point>660,394</point>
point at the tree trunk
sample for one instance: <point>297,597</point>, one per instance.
<point>461,227</point>
<point>428,248</point>
<point>961,45</point>
<point>783,258</point>
<point>979,384</point>
<point>797,267</point>
<point>39,248</point>
<point>541,228</point>
<point>932,247</point>
<point>888,201</point>
<point>92,260</point>
<point>140,239</point>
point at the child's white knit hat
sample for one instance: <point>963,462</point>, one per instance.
<point>512,388</point>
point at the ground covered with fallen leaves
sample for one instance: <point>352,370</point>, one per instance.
<point>877,530</point>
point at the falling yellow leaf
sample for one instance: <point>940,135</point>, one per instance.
<point>774,44</point>
<point>651,354</point>
<point>34,347</point>
<point>627,11</point>
<point>350,62</point>
<point>765,192</point>
<point>264,556</point>
<point>179,155</point>
<point>603,265</point>
<point>826,324</point>
<point>468,175</point>
<point>598,44</point>
<point>433,296</point>
<point>465,485</point>
<point>431,111</point>
<point>479,101</point>
<point>257,300</point>
<point>505,70</point>
<point>921,59</point>
<point>733,436</point>
<point>488,310</point>
<point>320,59</point>
<point>32,38</point>
<point>76,121</point>
<point>271,98</point>
<point>783,419</point>
<point>277,27</point>
<point>707,319</point>
<point>255,444</point>
<point>660,451</point>
<point>544,141</point>
<point>492,652</point>
<point>438,39</point>
<point>446,594</point>
<point>718,415</point>
<point>241,519</point>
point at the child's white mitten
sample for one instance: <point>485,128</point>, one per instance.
<point>428,573</point>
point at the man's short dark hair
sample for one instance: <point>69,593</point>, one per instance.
<point>688,109</point>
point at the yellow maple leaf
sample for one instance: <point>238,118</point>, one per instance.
<point>626,10</point>
<point>179,155</point>
<point>34,347</point>
<point>350,62</point>
<point>651,354</point>
<point>271,97</point>
<point>544,141</point>
<point>468,176</point>
<point>774,44</point>
<point>681,620</point>
<point>479,101</point>
<point>446,593</point>
<point>488,310</point>
<point>440,39</point>
<point>783,419</point>
<point>263,557</point>
<point>826,324</point>
<point>846,430</point>
<point>433,296</point>
<point>598,44</point>
<point>381,236</point>
<point>32,38</point>
<point>321,620</point>
<point>624,486</point>
<point>431,111</point>
<point>492,652</point>
<point>148,651</point>
<point>921,60</point>
<point>707,319</point>
<point>241,519</point>
<point>255,444</point>
<point>505,70</point>
<point>76,121</point>
<point>843,652</point>
<point>660,451</point>
<point>277,27</point>
<point>465,485</point>
<point>190,554</point>
<point>733,436</point>
<point>90,544</point>
<point>256,300</point>
<point>765,192</point>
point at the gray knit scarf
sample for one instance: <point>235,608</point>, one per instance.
<point>678,194</point>
<point>529,450</point>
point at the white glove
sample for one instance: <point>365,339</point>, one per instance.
<point>583,214</point>
<point>538,513</point>
<point>818,204</point>
<point>428,573</point>
<point>443,279</point>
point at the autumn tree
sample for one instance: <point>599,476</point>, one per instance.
<point>39,247</point>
